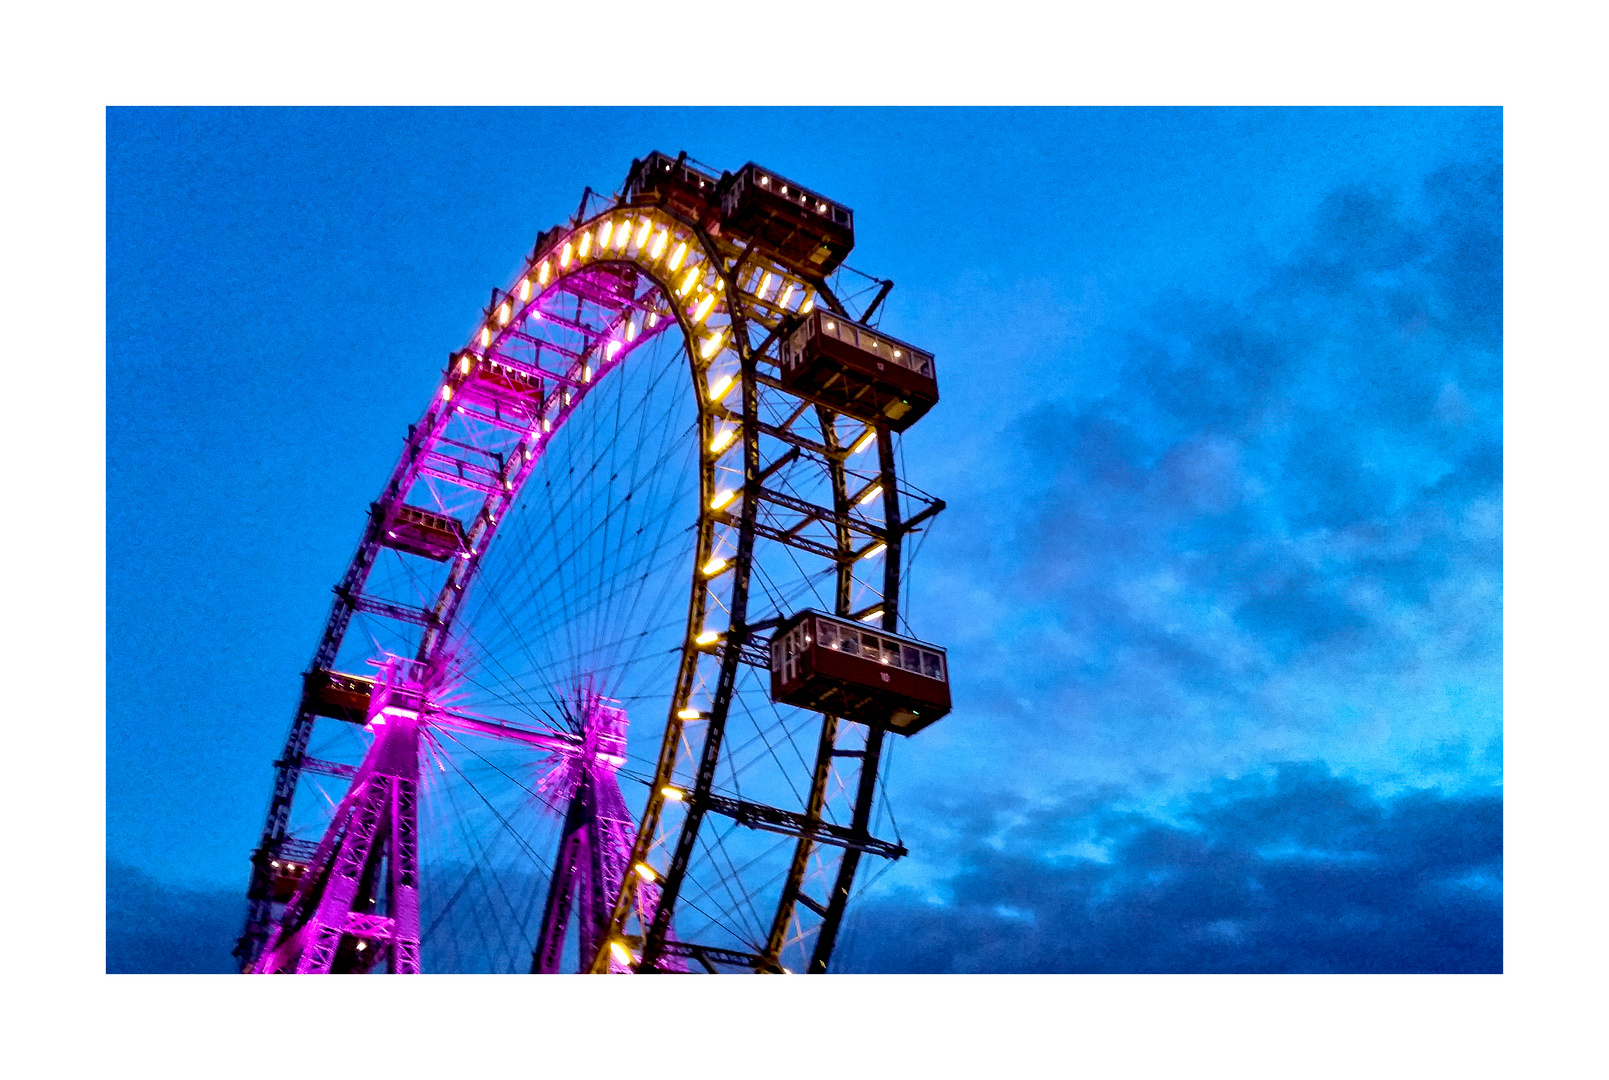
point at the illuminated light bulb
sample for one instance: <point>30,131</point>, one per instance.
<point>722,498</point>
<point>787,294</point>
<point>687,281</point>
<point>463,365</point>
<point>362,945</point>
<point>765,181</point>
<point>586,245</point>
<point>525,289</point>
<point>653,319</point>
<point>645,871</point>
<point>723,440</point>
<point>708,637</point>
<point>871,493</point>
<point>631,331</point>
<point>622,236</point>
<point>485,336</point>
<point>642,233</point>
<point>446,393</point>
<point>831,325</point>
<point>703,309</point>
<point>586,373</point>
<point>542,273</point>
<point>765,283</point>
<point>567,399</point>
<point>659,244</point>
<point>676,259</point>
<point>621,953</point>
<point>875,613</point>
<point>714,566</point>
<point>784,189</point>
<point>710,346</point>
<point>503,314</point>
<point>673,794</point>
<point>804,308</point>
<point>276,866</point>
<point>719,390</point>
<point>864,441</point>
<point>564,256</point>
<point>604,232</point>
<point>547,425</point>
<point>873,551</point>
<point>684,714</point>
<point>614,347</point>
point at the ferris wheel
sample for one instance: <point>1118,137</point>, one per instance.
<point>647,728</point>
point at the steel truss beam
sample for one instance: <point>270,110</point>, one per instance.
<point>788,823</point>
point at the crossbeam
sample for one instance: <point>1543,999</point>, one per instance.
<point>788,823</point>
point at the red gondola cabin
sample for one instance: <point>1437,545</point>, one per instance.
<point>858,371</point>
<point>796,227</point>
<point>421,532</point>
<point>854,671</point>
<point>658,180</point>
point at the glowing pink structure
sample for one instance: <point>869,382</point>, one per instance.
<point>356,906</point>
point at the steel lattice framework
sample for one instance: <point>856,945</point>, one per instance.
<point>788,498</point>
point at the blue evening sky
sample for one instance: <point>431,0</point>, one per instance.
<point>1220,435</point>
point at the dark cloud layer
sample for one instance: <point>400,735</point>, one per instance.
<point>156,928</point>
<point>1259,525</point>
<point>1295,871</point>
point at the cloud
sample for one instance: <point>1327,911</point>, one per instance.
<point>156,928</point>
<point>1294,870</point>
<point>1274,534</point>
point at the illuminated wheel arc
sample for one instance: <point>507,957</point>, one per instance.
<point>699,279</point>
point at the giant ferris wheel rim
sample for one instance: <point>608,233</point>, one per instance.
<point>680,259</point>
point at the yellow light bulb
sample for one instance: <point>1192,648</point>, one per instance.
<point>645,871</point>
<point>564,256</point>
<point>873,551</point>
<point>485,336</point>
<point>708,637</point>
<point>864,441</point>
<point>676,259</point>
<point>604,232</point>
<point>525,289</point>
<point>714,566</point>
<point>711,345</point>
<point>703,309</point>
<point>673,794</point>
<point>871,493</point>
<point>503,314</point>
<point>463,364</point>
<point>642,233</point>
<point>689,714</point>
<point>765,283</point>
<point>659,244</point>
<point>787,294</point>
<point>621,953</point>
<point>586,245</point>
<point>687,281</point>
<point>718,391</point>
<point>722,499</point>
<point>542,273</point>
<point>723,440</point>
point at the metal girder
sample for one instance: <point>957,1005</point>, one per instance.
<point>371,606</point>
<point>788,823</point>
<point>814,512</point>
